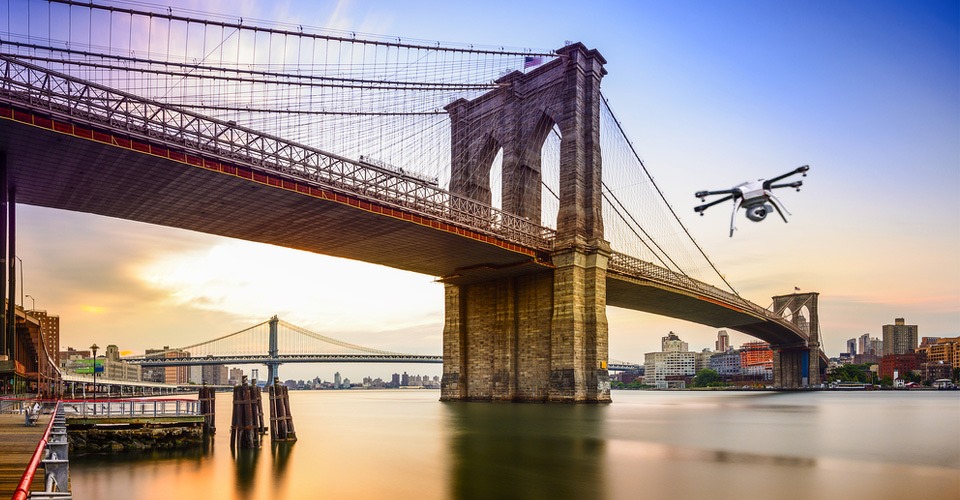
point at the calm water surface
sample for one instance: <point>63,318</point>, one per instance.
<point>406,444</point>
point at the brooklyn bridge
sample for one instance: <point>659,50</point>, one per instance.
<point>503,174</point>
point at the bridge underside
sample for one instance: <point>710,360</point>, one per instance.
<point>106,175</point>
<point>647,296</point>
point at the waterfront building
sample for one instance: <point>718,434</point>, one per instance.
<point>196,375</point>
<point>671,367</point>
<point>897,366</point>
<point>723,341</point>
<point>756,360</point>
<point>899,338</point>
<point>116,369</point>
<point>945,350</point>
<point>726,364</point>
<point>852,347</point>
<point>336,380</point>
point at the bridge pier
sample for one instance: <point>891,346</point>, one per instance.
<point>539,336</point>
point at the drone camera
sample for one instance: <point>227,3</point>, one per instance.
<point>759,212</point>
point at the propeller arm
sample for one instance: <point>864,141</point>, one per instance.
<point>796,184</point>
<point>799,170</point>
<point>705,206</point>
<point>701,194</point>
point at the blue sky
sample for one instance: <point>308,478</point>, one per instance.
<point>711,94</point>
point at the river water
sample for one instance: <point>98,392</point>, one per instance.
<point>716,445</point>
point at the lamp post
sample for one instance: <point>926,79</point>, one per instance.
<point>94,348</point>
<point>33,301</point>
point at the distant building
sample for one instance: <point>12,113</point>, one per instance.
<point>236,375</point>
<point>899,338</point>
<point>196,375</point>
<point>336,381</point>
<point>115,369</point>
<point>672,343</point>
<point>723,341</point>
<point>726,364</point>
<point>167,374</point>
<point>852,347</point>
<point>50,328</point>
<point>946,350</point>
<point>671,367</point>
<point>215,375</point>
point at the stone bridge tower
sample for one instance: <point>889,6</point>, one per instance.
<point>798,365</point>
<point>539,336</point>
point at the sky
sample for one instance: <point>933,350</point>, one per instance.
<point>711,94</point>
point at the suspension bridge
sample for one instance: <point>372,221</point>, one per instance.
<point>274,342</point>
<point>480,166</point>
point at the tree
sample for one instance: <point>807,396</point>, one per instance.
<point>706,377</point>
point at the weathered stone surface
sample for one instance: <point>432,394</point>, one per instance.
<point>99,440</point>
<point>538,337</point>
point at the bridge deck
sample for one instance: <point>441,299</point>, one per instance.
<point>18,444</point>
<point>108,174</point>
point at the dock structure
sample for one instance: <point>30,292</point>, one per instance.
<point>31,440</point>
<point>208,408</point>
<point>281,420</point>
<point>247,423</point>
<point>19,443</point>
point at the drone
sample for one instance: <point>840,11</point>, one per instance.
<point>756,197</point>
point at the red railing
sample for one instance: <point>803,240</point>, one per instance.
<point>23,489</point>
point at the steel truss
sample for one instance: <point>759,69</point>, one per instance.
<point>97,106</point>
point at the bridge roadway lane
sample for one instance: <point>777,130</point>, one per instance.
<point>59,165</point>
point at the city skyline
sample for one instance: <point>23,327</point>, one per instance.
<point>710,95</point>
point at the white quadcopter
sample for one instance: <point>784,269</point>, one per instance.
<point>756,197</point>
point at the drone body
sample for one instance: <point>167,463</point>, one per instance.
<point>756,198</point>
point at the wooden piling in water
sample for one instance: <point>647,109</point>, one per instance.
<point>247,408</point>
<point>208,409</point>
<point>281,420</point>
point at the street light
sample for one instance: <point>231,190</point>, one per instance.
<point>33,302</point>
<point>94,348</point>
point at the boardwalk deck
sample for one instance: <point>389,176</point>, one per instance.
<point>17,444</point>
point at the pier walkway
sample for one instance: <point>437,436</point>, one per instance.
<point>17,444</point>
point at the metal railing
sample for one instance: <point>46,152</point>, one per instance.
<point>78,101</point>
<point>131,408</point>
<point>23,487</point>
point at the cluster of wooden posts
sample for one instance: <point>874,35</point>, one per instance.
<point>208,410</point>
<point>281,420</point>
<point>247,427</point>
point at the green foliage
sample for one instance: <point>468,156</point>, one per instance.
<point>706,378</point>
<point>852,373</point>
<point>636,384</point>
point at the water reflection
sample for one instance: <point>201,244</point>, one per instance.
<point>281,457</point>
<point>525,451</point>
<point>246,470</point>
